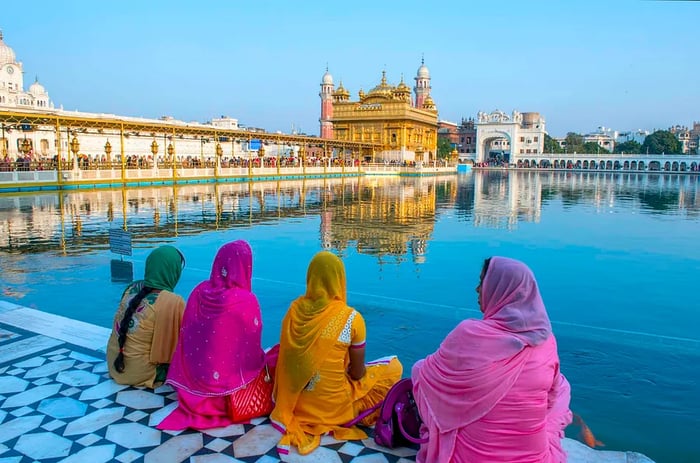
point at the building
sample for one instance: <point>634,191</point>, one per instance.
<point>41,142</point>
<point>462,137</point>
<point>688,138</point>
<point>603,137</point>
<point>12,94</point>
<point>505,138</point>
<point>405,129</point>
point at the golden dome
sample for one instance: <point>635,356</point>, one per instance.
<point>428,103</point>
<point>383,89</point>
<point>341,92</point>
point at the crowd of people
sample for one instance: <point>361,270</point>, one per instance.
<point>492,392</point>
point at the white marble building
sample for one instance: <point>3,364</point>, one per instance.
<point>511,136</point>
<point>42,140</point>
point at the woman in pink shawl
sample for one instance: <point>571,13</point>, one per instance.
<point>218,351</point>
<point>493,391</point>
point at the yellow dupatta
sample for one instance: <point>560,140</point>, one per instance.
<point>311,326</point>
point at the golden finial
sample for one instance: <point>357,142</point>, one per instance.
<point>384,77</point>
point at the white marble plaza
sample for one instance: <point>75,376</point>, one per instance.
<point>57,404</point>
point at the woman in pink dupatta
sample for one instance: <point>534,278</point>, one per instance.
<point>218,351</point>
<point>493,391</point>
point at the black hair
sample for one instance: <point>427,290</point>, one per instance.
<point>124,325</point>
<point>485,267</point>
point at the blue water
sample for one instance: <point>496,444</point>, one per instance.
<point>616,257</point>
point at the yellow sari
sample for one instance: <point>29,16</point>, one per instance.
<point>314,395</point>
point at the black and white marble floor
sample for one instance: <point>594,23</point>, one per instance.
<point>57,404</point>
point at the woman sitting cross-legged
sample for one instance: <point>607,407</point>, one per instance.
<point>493,391</point>
<point>147,323</point>
<point>218,353</point>
<point>322,381</point>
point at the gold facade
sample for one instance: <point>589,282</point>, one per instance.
<point>386,116</point>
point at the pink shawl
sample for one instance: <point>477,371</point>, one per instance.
<point>219,348</point>
<point>480,360</point>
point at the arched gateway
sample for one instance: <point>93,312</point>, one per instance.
<point>508,137</point>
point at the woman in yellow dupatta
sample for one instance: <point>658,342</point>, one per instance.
<point>322,381</point>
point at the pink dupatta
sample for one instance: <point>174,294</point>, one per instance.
<point>219,349</point>
<point>480,360</point>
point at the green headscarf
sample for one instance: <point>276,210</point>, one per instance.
<point>163,268</point>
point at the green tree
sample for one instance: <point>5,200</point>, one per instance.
<point>444,148</point>
<point>573,139</point>
<point>551,145</point>
<point>591,147</point>
<point>629,147</point>
<point>661,142</point>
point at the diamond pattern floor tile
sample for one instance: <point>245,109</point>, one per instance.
<point>58,404</point>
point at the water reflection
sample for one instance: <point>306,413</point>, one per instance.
<point>379,216</point>
<point>502,199</point>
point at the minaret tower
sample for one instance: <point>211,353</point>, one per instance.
<point>326,105</point>
<point>422,87</point>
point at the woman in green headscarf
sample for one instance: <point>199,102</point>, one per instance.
<point>146,326</point>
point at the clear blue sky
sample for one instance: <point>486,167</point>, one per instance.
<point>618,63</point>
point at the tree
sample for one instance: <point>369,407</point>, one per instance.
<point>629,147</point>
<point>591,147</point>
<point>444,148</point>
<point>573,139</point>
<point>661,142</point>
<point>551,145</point>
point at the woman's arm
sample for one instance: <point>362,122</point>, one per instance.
<point>357,369</point>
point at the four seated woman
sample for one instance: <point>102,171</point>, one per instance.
<point>147,323</point>
<point>493,391</point>
<point>322,381</point>
<point>219,349</point>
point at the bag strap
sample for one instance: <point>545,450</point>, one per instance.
<point>362,415</point>
<point>399,413</point>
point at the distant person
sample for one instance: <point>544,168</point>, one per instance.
<point>493,391</point>
<point>147,323</point>
<point>322,381</point>
<point>218,352</point>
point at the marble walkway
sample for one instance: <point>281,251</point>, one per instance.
<point>59,405</point>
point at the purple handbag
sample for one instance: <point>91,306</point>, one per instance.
<point>399,421</point>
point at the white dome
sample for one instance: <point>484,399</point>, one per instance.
<point>327,78</point>
<point>37,89</point>
<point>423,71</point>
<point>7,55</point>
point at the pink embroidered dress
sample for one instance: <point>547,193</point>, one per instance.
<point>219,349</point>
<point>493,391</point>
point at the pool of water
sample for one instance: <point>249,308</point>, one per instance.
<point>616,257</point>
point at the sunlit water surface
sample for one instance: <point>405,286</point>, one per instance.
<point>616,257</point>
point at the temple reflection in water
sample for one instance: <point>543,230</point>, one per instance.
<point>391,218</point>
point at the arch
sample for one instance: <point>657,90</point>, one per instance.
<point>616,165</point>
<point>526,164</point>
<point>654,165</point>
<point>578,164</point>
<point>556,164</point>
<point>585,164</point>
<point>545,164</point>
<point>533,163</point>
<point>608,165</point>
<point>593,165</point>
<point>569,164</point>
<point>674,166</point>
<point>694,166</point>
<point>683,166</point>
<point>488,132</point>
<point>641,165</point>
<point>626,165</point>
<point>633,165</point>
<point>667,166</point>
<point>520,163</point>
